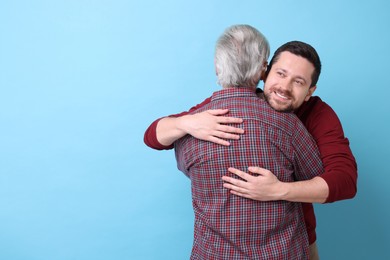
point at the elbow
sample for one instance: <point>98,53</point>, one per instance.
<point>348,195</point>
<point>342,189</point>
<point>353,191</point>
<point>352,184</point>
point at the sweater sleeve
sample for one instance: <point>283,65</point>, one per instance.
<point>150,136</point>
<point>339,163</point>
<point>308,162</point>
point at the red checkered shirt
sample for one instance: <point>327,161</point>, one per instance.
<point>232,227</point>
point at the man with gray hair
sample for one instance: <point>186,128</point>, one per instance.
<point>233,227</point>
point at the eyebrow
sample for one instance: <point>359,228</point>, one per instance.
<point>301,78</point>
<point>296,77</point>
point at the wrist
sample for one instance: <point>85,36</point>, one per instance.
<point>182,124</point>
<point>168,130</point>
<point>283,190</point>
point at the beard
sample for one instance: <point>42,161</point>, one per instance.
<point>276,105</point>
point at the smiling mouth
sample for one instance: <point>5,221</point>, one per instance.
<point>281,95</point>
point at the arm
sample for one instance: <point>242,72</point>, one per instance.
<point>339,163</point>
<point>263,185</point>
<point>338,182</point>
<point>208,125</point>
<point>266,187</point>
<point>151,135</point>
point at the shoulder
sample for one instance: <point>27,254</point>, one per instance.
<point>320,120</point>
<point>198,106</point>
<point>315,109</point>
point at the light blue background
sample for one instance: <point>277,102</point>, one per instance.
<point>81,80</point>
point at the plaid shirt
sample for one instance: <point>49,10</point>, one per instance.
<point>232,227</point>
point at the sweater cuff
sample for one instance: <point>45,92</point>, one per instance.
<point>333,183</point>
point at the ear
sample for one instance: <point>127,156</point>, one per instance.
<point>310,92</point>
<point>263,71</point>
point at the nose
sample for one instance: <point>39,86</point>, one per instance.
<point>285,85</point>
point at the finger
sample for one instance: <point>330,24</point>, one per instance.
<point>219,141</point>
<point>234,188</point>
<point>235,182</point>
<point>244,195</point>
<point>230,129</point>
<point>241,174</point>
<point>218,112</point>
<point>258,170</point>
<point>229,120</point>
<point>224,135</point>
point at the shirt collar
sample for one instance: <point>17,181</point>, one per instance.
<point>234,92</point>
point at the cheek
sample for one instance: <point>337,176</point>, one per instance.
<point>269,83</point>
<point>266,87</point>
<point>299,95</point>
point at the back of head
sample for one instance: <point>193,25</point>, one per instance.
<point>303,50</point>
<point>240,54</point>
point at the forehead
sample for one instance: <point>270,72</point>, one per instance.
<point>294,65</point>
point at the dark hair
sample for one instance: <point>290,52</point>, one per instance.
<point>303,50</point>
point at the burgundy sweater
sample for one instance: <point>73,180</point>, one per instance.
<point>325,127</point>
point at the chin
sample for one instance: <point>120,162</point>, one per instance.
<point>280,108</point>
<point>284,110</point>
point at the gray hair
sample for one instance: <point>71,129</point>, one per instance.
<point>240,56</point>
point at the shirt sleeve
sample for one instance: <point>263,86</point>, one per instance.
<point>307,160</point>
<point>150,136</point>
<point>339,163</point>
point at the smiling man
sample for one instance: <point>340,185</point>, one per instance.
<point>292,78</point>
<point>289,82</point>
